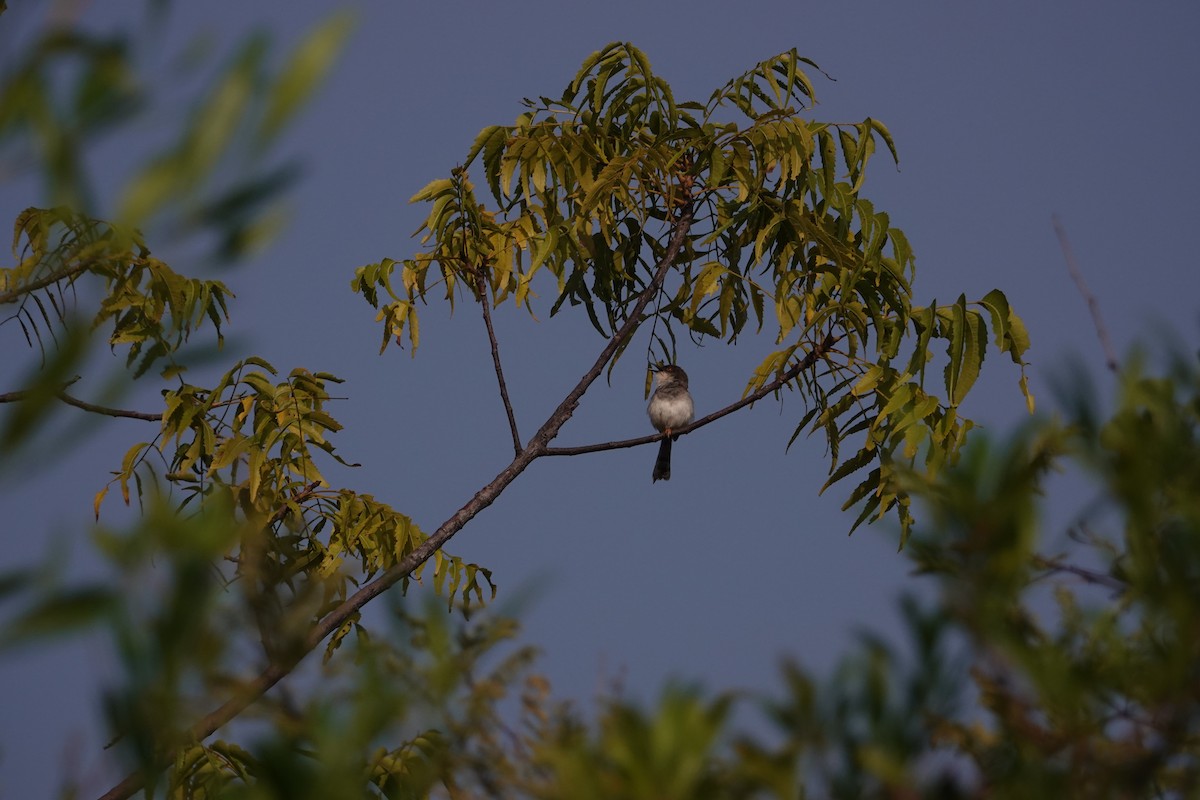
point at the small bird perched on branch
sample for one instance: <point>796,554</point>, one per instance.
<point>670,409</point>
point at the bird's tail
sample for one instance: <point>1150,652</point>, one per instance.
<point>662,464</point>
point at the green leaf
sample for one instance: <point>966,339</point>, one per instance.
<point>1029,402</point>
<point>882,130</point>
<point>856,462</point>
<point>957,334</point>
<point>870,380</point>
<point>1010,334</point>
<point>974,343</point>
<point>828,162</point>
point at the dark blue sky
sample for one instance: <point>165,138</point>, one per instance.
<point>1003,115</point>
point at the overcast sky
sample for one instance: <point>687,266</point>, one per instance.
<point>1003,113</point>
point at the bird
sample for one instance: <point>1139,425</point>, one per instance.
<point>670,409</point>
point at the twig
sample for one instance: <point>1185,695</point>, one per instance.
<point>300,496</point>
<point>508,409</point>
<point>1110,354</point>
<point>481,294</point>
<point>111,412</point>
<point>807,362</point>
<point>41,283</point>
<point>1088,575</point>
<point>537,446</point>
<point>12,397</point>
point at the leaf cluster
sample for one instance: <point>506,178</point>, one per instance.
<point>151,308</point>
<point>587,188</point>
<point>251,440</point>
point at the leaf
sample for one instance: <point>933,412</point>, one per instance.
<point>870,380</point>
<point>868,486</point>
<point>924,320</point>
<point>128,463</point>
<point>60,614</point>
<point>229,451</point>
<point>901,397</point>
<point>856,462</point>
<point>706,283</point>
<point>882,130</point>
<point>100,499</point>
<point>1010,334</point>
<point>1024,383</point>
<point>303,72</point>
<point>957,334</point>
<point>974,351</point>
<point>434,189</point>
<point>258,457</point>
<point>828,161</point>
<point>801,425</point>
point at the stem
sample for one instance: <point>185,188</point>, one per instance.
<point>508,409</point>
<point>1110,355</point>
<point>41,283</point>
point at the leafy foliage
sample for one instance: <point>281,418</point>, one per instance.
<point>587,188</point>
<point>1023,674</point>
<point>251,442</point>
<point>71,87</point>
<point>152,309</point>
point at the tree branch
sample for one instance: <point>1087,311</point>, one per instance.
<point>12,397</point>
<point>111,412</point>
<point>41,283</point>
<point>809,360</point>
<point>1110,355</point>
<point>537,446</point>
<point>508,409</point>
<point>1052,565</point>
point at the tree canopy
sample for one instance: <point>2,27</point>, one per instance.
<point>700,218</point>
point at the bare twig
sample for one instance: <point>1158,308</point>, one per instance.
<point>537,447</point>
<point>1110,355</point>
<point>508,409</point>
<point>1088,575</point>
<point>111,412</point>
<point>12,397</point>
<point>300,496</point>
<point>807,362</point>
<point>479,273</point>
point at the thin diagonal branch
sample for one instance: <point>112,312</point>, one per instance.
<point>481,294</point>
<point>1110,355</point>
<point>809,360</point>
<point>537,446</point>
<point>508,409</point>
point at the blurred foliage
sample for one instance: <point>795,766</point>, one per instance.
<point>69,90</point>
<point>65,94</point>
<point>1023,674</point>
<point>593,186</point>
<point>242,545</point>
